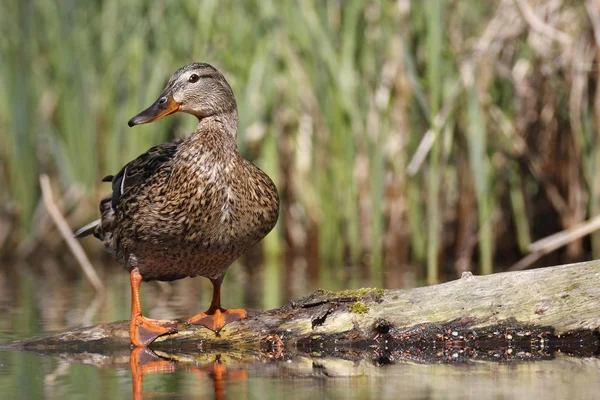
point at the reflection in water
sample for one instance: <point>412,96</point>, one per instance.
<point>252,375</point>
<point>145,361</point>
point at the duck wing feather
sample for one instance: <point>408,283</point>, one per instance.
<point>133,174</point>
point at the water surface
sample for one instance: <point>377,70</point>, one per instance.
<point>34,303</point>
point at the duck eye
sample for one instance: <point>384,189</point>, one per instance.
<point>193,78</point>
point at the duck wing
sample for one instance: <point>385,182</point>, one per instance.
<point>138,171</point>
<point>134,174</point>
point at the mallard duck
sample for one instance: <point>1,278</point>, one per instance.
<point>188,207</point>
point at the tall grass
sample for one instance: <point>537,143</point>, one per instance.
<point>335,100</point>
<point>434,70</point>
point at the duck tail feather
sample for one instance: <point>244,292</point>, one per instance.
<point>87,230</point>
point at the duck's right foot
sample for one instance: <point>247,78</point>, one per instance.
<point>143,331</point>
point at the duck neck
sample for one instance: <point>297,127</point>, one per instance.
<point>224,121</point>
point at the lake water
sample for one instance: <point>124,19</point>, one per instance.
<point>48,300</point>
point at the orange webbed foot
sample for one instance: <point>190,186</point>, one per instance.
<point>218,319</point>
<point>144,331</point>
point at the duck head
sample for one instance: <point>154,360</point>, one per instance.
<point>198,89</point>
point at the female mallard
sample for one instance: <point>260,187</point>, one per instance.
<point>189,207</point>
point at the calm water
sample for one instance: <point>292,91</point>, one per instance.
<point>49,300</point>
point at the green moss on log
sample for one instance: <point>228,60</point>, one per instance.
<point>359,308</point>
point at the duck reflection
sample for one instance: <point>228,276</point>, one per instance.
<point>145,361</point>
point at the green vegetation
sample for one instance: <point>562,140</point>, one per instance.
<point>359,308</point>
<point>410,141</point>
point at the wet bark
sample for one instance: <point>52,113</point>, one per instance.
<point>545,307</point>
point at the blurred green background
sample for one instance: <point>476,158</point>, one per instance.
<point>410,140</point>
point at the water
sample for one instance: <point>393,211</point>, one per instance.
<point>50,300</point>
<point>28,376</point>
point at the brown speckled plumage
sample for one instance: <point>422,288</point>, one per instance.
<point>190,207</point>
<point>199,210</point>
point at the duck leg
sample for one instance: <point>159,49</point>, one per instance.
<point>216,317</point>
<point>142,330</point>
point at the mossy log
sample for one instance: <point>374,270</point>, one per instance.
<point>537,310</point>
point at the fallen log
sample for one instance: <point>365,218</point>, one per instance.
<point>529,312</point>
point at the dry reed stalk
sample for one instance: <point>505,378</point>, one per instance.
<point>294,234</point>
<point>396,235</point>
<point>67,234</point>
<point>556,241</point>
<point>593,11</point>
<point>466,215</point>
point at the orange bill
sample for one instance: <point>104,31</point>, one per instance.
<point>162,107</point>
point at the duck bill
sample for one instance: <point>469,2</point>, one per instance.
<point>162,107</point>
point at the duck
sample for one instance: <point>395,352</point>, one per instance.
<point>188,207</point>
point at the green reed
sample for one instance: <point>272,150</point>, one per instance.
<point>73,73</point>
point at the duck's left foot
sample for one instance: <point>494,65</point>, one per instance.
<point>216,320</point>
